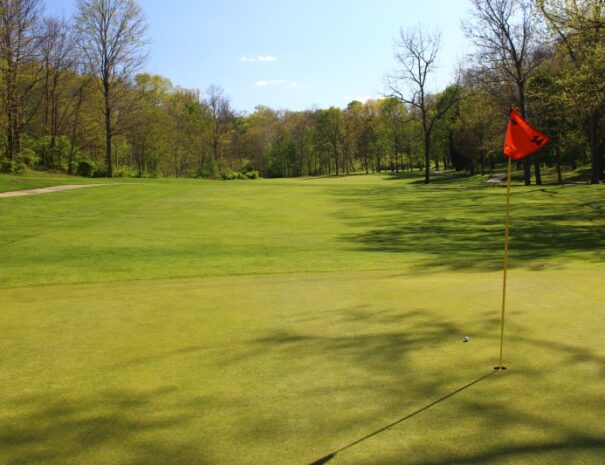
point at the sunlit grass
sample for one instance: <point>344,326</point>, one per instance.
<point>275,322</point>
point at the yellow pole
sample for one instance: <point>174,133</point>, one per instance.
<point>506,235</point>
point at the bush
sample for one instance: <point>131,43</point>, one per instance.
<point>121,173</point>
<point>28,157</point>
<point>100,172</point>
<point>252,174</point>
<point>208,170</point>
<point>86,168</point>
<point>52,155</point>
<point>7,166</point>
<point>228,175</point>
<point>12,166</point>
<point>20,168</point>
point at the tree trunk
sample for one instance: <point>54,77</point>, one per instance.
<point>53,114</point>
<point>9,75</point>
<point>427,158</point>
<point>526,171</point>
<point>594,149</point>
<point>526,166</point>
<point>537,173</point>
<point>336,158</point>
<point>558,162</point>
<point>13,116</point>
<point>346,161</point>
<point>108,144</point>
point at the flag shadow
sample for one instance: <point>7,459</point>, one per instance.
<point>325,459</point>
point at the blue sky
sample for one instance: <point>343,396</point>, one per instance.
<point>290,54</point>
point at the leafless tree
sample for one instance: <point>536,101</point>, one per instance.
<point>59,58</point>
<point>111,37</point>
<point>416,54</point>
<point>504,34</point>
<point>221,116</point>
<point>18,53</point>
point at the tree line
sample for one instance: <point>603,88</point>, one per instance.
<point>74,99</point>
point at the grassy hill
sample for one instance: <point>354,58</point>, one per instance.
<point>278,321</point>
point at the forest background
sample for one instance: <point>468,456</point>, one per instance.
<point>75,98</point>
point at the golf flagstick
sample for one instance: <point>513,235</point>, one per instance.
<point>506,236</point>
<point>520,141</point>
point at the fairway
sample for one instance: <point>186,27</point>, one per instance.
<point>192,322</point>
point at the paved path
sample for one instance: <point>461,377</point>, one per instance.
<point>46,190</point>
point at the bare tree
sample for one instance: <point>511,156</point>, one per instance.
<point>59,57</point>
<point>221,115</point>
<point>505,36</point>
<point>18,52</point>
<point>416,54</point>
<point>111,36</point>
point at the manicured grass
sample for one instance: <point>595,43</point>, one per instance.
<point>275,322</point>
<point>35,179</point>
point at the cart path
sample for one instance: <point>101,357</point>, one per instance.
<point>47,190</point>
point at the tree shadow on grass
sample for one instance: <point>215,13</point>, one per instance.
<point>464,229</point>
<point>44,429</point>
<point>385,345</point>
<point>394,336</point>
<point>332,455</point>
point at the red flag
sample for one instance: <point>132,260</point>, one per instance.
<point>521,138</point>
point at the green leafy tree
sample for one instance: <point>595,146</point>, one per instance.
<point>578,28</point>
<point>111,35</point>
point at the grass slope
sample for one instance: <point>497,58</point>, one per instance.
<point>276,322</point>
<point>37,179</point>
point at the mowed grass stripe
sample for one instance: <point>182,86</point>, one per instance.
<point>203,322</point>
<point>198,228</point>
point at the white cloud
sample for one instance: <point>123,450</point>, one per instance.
<point>263,83</point>
<point>279,82</point>
<point>261,58</point>
<point>362,98</point>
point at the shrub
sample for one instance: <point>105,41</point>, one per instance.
<point>52,155</point>
<point>7,166</point>
<point>28,157</point>
<point>100,172</point>
<point>20,168</point>
<point>208,169</point>
<point>86,168</point>
<point>121,173</point>
<point>228,175</point>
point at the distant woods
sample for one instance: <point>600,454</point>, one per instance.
<point>73,98</point>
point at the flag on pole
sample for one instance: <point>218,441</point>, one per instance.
<point>522,139</point>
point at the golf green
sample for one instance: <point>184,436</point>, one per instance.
<point>195,322</point>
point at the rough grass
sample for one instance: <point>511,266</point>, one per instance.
<point>277,322</point>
